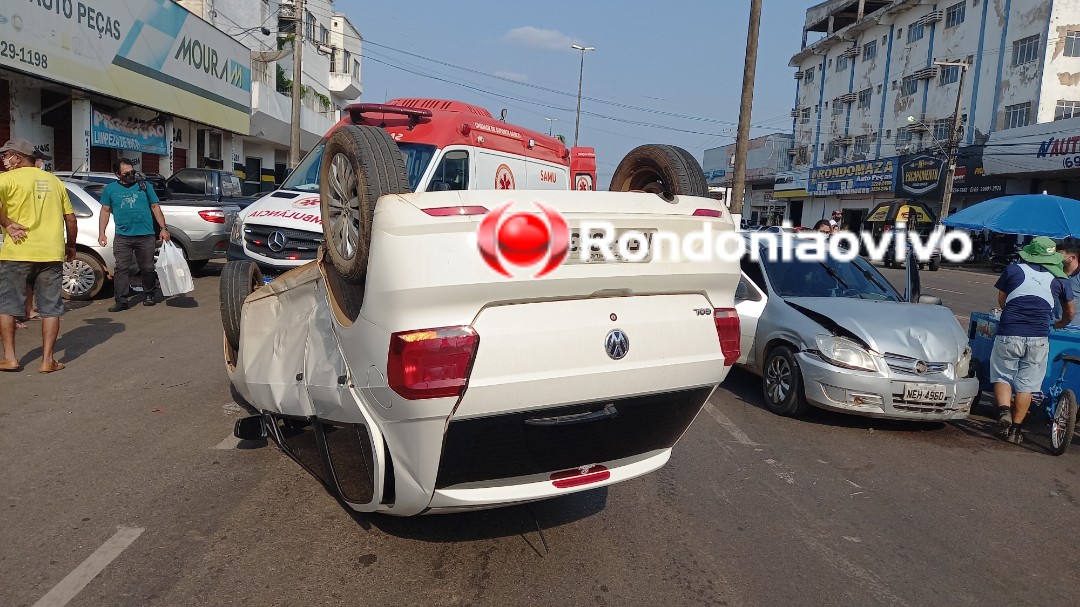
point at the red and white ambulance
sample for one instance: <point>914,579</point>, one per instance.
<point>447,145</point>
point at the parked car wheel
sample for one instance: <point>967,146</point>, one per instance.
<point>782,383</point>
<point>359,165</point>
<point>666,170</point>
<point>238,280</point>
<point>935,265</point>
<point>83,277</point>
<point>197,264</point>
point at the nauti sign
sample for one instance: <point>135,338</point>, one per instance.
<point>153,53</point>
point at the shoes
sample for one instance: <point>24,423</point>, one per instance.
<point>50,367</point>
<point>149,301</point>
<point>1004,417</point>
<point>1016,436</point>
<point>119,307</point>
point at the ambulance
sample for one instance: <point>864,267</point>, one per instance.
<point>447,146</point>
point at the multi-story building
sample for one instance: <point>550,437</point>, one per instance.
<point>767,157</point>
<point>184,83</point>
<point>872,101</point>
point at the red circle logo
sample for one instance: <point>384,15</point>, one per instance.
<point>306,203</point>
<point>523,239</point>
<point>584,182</point>
<point>504,178</point>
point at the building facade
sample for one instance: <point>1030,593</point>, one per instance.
<point>170,84</point>
<point>874,109</point>
<point>767,157</point>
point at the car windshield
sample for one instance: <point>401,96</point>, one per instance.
<point>306,176</point>
<point>830,278</point>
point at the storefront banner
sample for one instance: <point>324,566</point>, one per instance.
<point>1040,148</point>
<point>854,178</point>
<point>921,175</point>
<point>108,131</point>
<point>152,53</point>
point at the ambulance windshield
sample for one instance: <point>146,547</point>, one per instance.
<point>306,176</point>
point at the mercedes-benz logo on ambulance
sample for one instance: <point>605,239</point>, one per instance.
<point>277,241</point>
<point>617,344</point>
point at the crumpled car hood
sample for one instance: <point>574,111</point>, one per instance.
<point>923,331</point>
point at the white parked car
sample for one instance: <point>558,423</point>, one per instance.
<point>93,265</point>
<point>411,377</point>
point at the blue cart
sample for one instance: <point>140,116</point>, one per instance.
<point>1058,397</point>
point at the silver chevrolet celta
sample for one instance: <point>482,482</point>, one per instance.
<point>835,334</point>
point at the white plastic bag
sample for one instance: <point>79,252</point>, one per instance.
<point>172,270</point>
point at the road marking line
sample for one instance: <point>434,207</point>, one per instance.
<point>730,426</point>
<point>230,442</point>
<point>944,290</point>
<point>62,593</point>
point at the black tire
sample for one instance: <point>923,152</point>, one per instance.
<point>196,265</point>
<point>1063,426</point>
<point>781,367</point>
<point>666,170</point>
<point>83,277</point>
<point>935,265</point>
<point>238,280</point>
<point>367,164</point>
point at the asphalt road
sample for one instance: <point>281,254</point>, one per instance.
<point>121,486</point>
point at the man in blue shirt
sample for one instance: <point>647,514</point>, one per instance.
<point>1027,291</point>
<point>1070,250</point>
<point>134,207</point>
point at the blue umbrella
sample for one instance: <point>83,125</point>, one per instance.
<point>1034,214</point>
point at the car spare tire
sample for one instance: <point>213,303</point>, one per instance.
<point>359,165</point>
<point>666,170</point>
<point>238,280</point>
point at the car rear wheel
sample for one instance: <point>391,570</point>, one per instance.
<point>360,164</point>
<point>935,265</point>
<point>83,277</point>
<point>782,383</point>
<point>238,280</point>
<point>666,170</point>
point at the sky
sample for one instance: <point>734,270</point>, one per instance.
<point>662,72</point>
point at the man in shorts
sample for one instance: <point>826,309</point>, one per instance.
<point>1027,292</point>
<point>40,228</point>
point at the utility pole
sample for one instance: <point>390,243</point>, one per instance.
<point>954,138</point>
<point>742,141</point>
<point>298,72</point>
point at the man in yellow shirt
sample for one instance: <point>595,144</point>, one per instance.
<point>35,213</point>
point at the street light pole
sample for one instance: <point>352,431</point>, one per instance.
<point>581,73</point>
<point>954,138</point>
<point>742,141</point>
<point>298,71</point>
<point>551,121</point>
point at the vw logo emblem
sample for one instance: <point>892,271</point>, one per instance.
<point>277,241</point>
<point>617,344</point>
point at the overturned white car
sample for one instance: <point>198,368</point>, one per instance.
<point>410,375</point>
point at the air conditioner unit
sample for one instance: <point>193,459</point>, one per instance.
<point>903,149</point>
<point>793,152</point>
<point>286,9</point>
<point>843,140</point>
<point>795,113</point>
<point>847,98</point>
<point>927,73</point>
<point>798,75</point>
<point>932,17</point>
<point>850,52</point>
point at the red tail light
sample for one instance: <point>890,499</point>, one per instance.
<point>432,363</point>
<point>708,213</point>
<point>727,329</point>
<point>213,216</point>
<point>451,211</point>
<point>577,477</point>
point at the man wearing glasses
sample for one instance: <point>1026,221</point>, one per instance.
<point>40,228</point>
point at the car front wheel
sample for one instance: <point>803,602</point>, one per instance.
<point>83,277</point>
<point>782,383</point>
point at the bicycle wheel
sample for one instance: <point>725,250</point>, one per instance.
<point>1063,425</point>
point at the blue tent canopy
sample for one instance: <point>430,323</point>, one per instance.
<point>1034,214</point>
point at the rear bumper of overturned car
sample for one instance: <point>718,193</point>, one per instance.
<point>878,395</point>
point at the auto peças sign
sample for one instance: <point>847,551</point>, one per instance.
<point>921,175</point>
<point>854,178</point>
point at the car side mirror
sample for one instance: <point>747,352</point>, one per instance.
<point>250,428</point>
<point>931,300</point>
